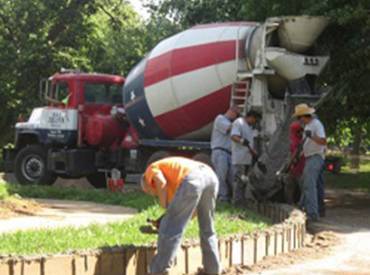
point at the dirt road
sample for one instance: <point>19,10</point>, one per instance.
<point>348,216</point>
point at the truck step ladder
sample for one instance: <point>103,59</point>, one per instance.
<point>240,91</point>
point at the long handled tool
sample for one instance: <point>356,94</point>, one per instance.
<point>293,160</point>
<point>260,164</point>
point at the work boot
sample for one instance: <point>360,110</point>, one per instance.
<point>311,225</point>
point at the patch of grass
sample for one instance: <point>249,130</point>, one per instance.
<point>349,179</point>
<point>118,233</point>
<point>3,191</point>
<point>228,220</point>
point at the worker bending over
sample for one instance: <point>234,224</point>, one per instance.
<point>242,153</point>
<point>221,151</point>
<point>184,187</point>
<point>314,152</point>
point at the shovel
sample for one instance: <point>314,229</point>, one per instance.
<point>260,164</point>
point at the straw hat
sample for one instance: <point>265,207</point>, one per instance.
<point>303,109</point>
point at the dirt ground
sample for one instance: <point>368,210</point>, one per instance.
<point>13,206</point>
<point>340,245</point>
<point>78,183</point>
<point>60,213</point>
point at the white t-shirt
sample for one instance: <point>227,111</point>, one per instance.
<point>240,154</point>
<point>310,147</point>
<point>220,133</point>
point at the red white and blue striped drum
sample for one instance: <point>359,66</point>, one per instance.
<point>185,81</point>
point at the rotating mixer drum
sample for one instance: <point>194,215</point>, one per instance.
<point>178,89</point>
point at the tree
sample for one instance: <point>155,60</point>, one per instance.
<point>116,42</point>
<point>36,38</point>
<point>189,13</point>
<point>39,37</point>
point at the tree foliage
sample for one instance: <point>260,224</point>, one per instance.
<point>39,37</point>
<point>36,37</point>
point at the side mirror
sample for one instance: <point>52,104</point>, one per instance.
<point>44,88</point>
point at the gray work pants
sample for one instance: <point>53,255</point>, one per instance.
<point>311,176</point>
<point>240,183</point>
<point>221,161</point>
<point>197,192</point>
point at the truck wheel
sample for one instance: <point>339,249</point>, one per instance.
<point>157,156</point>
<point>203,157</point>
<point>97,180</point>
<point>31,166</point>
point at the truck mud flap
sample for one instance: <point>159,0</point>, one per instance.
<point>8,160</point>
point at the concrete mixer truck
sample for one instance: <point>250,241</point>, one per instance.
<point>172,96</point>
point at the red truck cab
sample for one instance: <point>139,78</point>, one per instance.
<point>84,115</point>
<point>85,88</point>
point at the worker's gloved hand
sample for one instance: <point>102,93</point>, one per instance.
<point>254,158</point>
<point>308,133</point>
<point>260,164</point>
<point>156,223</point>
<point>152,227</point>
<point>245,142</point>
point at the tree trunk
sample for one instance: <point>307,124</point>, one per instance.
<point>357,138</point>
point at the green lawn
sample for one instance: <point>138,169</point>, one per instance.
<point>228,221</point>
<point>349,179</point>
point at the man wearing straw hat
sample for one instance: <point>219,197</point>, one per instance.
<point>314,151</point>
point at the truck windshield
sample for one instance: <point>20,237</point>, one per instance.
<point>61,91</point>
<point>56,93</point>
<point>103,93</point>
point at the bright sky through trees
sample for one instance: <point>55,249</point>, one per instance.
<point>138,6</point>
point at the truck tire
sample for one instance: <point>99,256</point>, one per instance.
<point>157,156</point>
<point>203,157</point>
<point>31,166</point>
<point>97,180</point>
